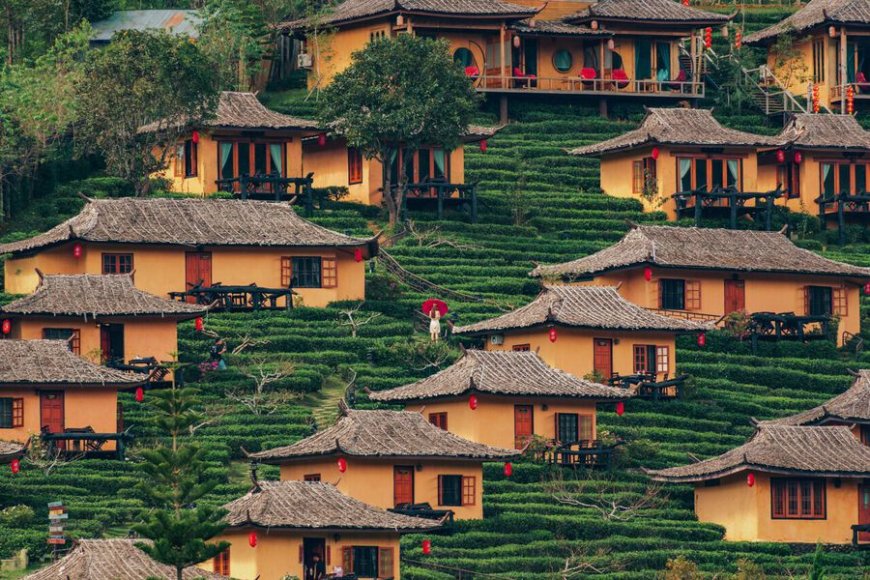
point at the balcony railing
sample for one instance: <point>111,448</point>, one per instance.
<point>647,385</point>
<point>237,298</point>
<point>787,326</point>
<point>85,441</point>
<point>586,453</point>
<point>440,194</point>
<point>594,86</point>
<point>859,91</point>
<point>730,198</point>
<point>843,205</point>
<point>270,187</point>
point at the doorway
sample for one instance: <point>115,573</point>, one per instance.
<point>602,356</point>
<point>311,548</point>
<point>864,510</point>
<point>735,296</point>
<point>524,425</point>
<point>112,342</point>
<point>197,270</point>
<point>51,413</point>
<point>403,484</point>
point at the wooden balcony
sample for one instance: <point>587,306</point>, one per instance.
<point>237,298</point>
<point>787,326</point>
<point>85,442</point>
<point>728,200</point>
<point>860,92</point>
<point>270,187</point>
<point>593,87</point>
<point>437,195</point>
<point>588,454</point>
<point>647,385</point>
<point>845,207</point>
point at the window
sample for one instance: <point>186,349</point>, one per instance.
<point>840,302</point>
<point>330,272</point>
<point>236,158</point>
<point>463,57</point>
<point>385,563</point>
<point>311,477</point>
<point>439,420</point>
<point>642,357</point>
<point>450,490</point>
<point>788,175</point>
<point>427,164</point>
<point>375,35</point>
<point>563,60</point>
<point>222,563</point>
<point>568,428</point>
<point>843,177</point>
<point>662,359</point>
<point>368,561</point>
<point>797,498</point>
<point>11,413</point>
<point>709,173</point>
<point>818,300</point>
<point>73,336</point>
<point>693,294</point>
<point>117,263</point>
<point>819,60</point>
<point>469,490</point>
<point>672,294</point>
<point>301,272</point>
<point>354,165</point>
<point>186,159</point>
<point>365,561</point>
<point>643,173</point>
<point>521,347</point>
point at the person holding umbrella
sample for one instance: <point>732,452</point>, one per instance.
<point>435,310</point>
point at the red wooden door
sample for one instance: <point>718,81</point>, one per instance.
<point>864,510</point>
<point>197,270</point>
<point>51,413</point>
<point>602,356</point>
<point>524,425</point>
<point>735,296</point>
<point>403,484</point>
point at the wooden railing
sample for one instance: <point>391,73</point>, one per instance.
<point>841,205</point>
<point>442,193</point>
<point>596,86</point>
<point>647,385</point>
<point>270,187</point>
<point>859,91</point>
<point>85,442</point>
<point>236,298</point>
<point>731,198</point>
<point>586,453</point>
<point>787,326</point>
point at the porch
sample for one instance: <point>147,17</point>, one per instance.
<point>846,207</point>
<point>437,195</point>
<point>787,326</point>
<point>727,201</point>
<point>647,385</point>
<point>588,454</point>
<point>237,298</point>
<point>75,441</point>
<point>605,85</point>
<point>269,187</point>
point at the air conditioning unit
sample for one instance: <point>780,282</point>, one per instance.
<point>304,60</point>
<point>496,339</point>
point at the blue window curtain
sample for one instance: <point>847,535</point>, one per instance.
<point>275,154</point>
<point>663,61</point>
<point>685,174</point>
<point>226,160</point>
<point>733,173</point>
<point>440,163</point>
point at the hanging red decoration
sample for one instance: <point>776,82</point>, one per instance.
<point>342,464</point>
<point>195,137</point>
<point>553,334</point>
<point>850,100</point>
<point>439,305</point>
<point>15,465</point>
<point>140,394</point>
<point>620,409</point>
<point>738,39</point>
<point>702,339</point>
<point>427,547</point>
<point>708,37</point>
<point>750,479</point>
<point>252,539</point>
<point>817,104</point>
<point>508,469</point>
<point>798,157</point>
<point>321,140</point>
<point>780,156</point>
<point>357,255</point>
<point>78,250</point>
<point>867,288</point>
<point>483,146</point>
<point>472,402</point>
<point>647,273</point>
<point>7,326</point>
<point>685,2</point>
<point>655,153</point>
<point>198,324</point>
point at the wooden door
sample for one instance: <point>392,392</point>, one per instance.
<point>602,356</point>
<point>403,484</point>
<point>51,415</point>
<point>735,296</point>
<point>864,510</point>
<point>197,267</point>
<point>524,425</point>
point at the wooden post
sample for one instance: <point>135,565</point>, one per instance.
<point>842,71</point>
<point>502,54</point>
<point>732,200</point>
<point>841,218</point>
<point>698,209</point>
<point>768,215</point>
<point>602,107</point>
<point>243,184</point>
<point>309,201</point>
<point>503,109</point>
<point>440,193</point>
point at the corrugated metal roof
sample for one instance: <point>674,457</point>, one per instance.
<point>181,22</point>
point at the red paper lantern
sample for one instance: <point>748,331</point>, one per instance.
<point>798,157</point>
<point>140,394</point>
<point>15,465</point>
<point>78,250</point>
<point>655,153</point>
<point>252,539</point>
<point>708,37</point>
<point>357,255</point>
<point>685,2</point>
<point>850,100</point>
<point>620,409</point>
<point>508,469</point>
<point>7,325</point>
<point>198,324</point>
<point>553,334</point>
<point>866,289</point>
<point>702,339</point>
<point>195,137</point>
<point>472,402</point>
<point>647,273</point>
<point>738,39</point>
<point>780,156</point>
<point>427,547</point>
<point>321,140</point>
<point>750,479</point>
<point>483,146</point>
<point>342,464</point>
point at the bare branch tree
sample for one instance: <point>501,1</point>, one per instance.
<point>247,342</point>
<point>260,400</point>
<point>48,458</point>
<point>355,323</point>
<point>432,238</point>
<point>606,500</point>
<point>579,564</point>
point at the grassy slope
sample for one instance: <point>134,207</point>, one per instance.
<point>525,534</point>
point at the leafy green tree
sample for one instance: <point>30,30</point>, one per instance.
<point>140,78</point>
<point>175,480</point>
<point>399,95</point>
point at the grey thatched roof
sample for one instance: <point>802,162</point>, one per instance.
<point>190,222</point>
<point>173,21</point>
<point>501,373</point>
<point>581,307</point>
<point>816,13</point>
<point>534,26</point>
<point>43,362</point>
<point>351,10</point>
<point>9,450</point>
<point>677,126</point>
<point>781,449</point>
<point>91,295</point>
<point>851,406</point>
<point>703,248</point>
<point>114,560</point>
<point>665,11</point>
<point>314,506</point>
<point>237,110</point>
<point>385,434</point>
<point>824,131</point>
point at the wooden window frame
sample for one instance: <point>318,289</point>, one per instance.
<point>663,359</point>
<point>640,168</point>
<point>640,356</point>
<point>469,490</point>
<point>558,433</point>
<point>11,403</point>
<point>818,72</point>
<point>311,477</point>
<point>441,478</point>
<point>222,563</point>
<point>17,413</point>
<point>784,486</point>
<point>788,175</point>
<point>808,290</point>
<point>662,283</point>
<point>439,419</point>
<point>252,143</point>
<point>415,164</point>
<point>74,340</point>
<point>695,157</point>
<point>354,166</point>
<point>287,271</point>
<point>840,301</point>
<point>328,272</point>
<point>692,295</point>
<point>525,347</point>
<point>117,259</point>
<point>836,164</point>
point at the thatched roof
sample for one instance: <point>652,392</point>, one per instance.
<point>44,362</point>
<point>660,11</point>
<point>501,373</point>
<point>174,21</point>
<point>114,560</point>
<point>351,10</point>
<point>530,27</point>
<point>190,222</point>
<point>10,450</point>
<point>815,14</point>
<point>677,126</point>
<point>780,449</point>
<point>384,434</point>
<point>304,505</point>
<point>236,110</point>
<point>581,307</point>
<point>704,249</point>
<point>90,296</point>
<point>853,406</point>
<point>813,131</point>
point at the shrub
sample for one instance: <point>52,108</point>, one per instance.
<point>17,516</point>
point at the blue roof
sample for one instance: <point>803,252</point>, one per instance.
<point>181,22</point>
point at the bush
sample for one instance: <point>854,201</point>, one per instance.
<point>17,516</point>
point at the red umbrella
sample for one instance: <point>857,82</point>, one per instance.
<point>434,302</point>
